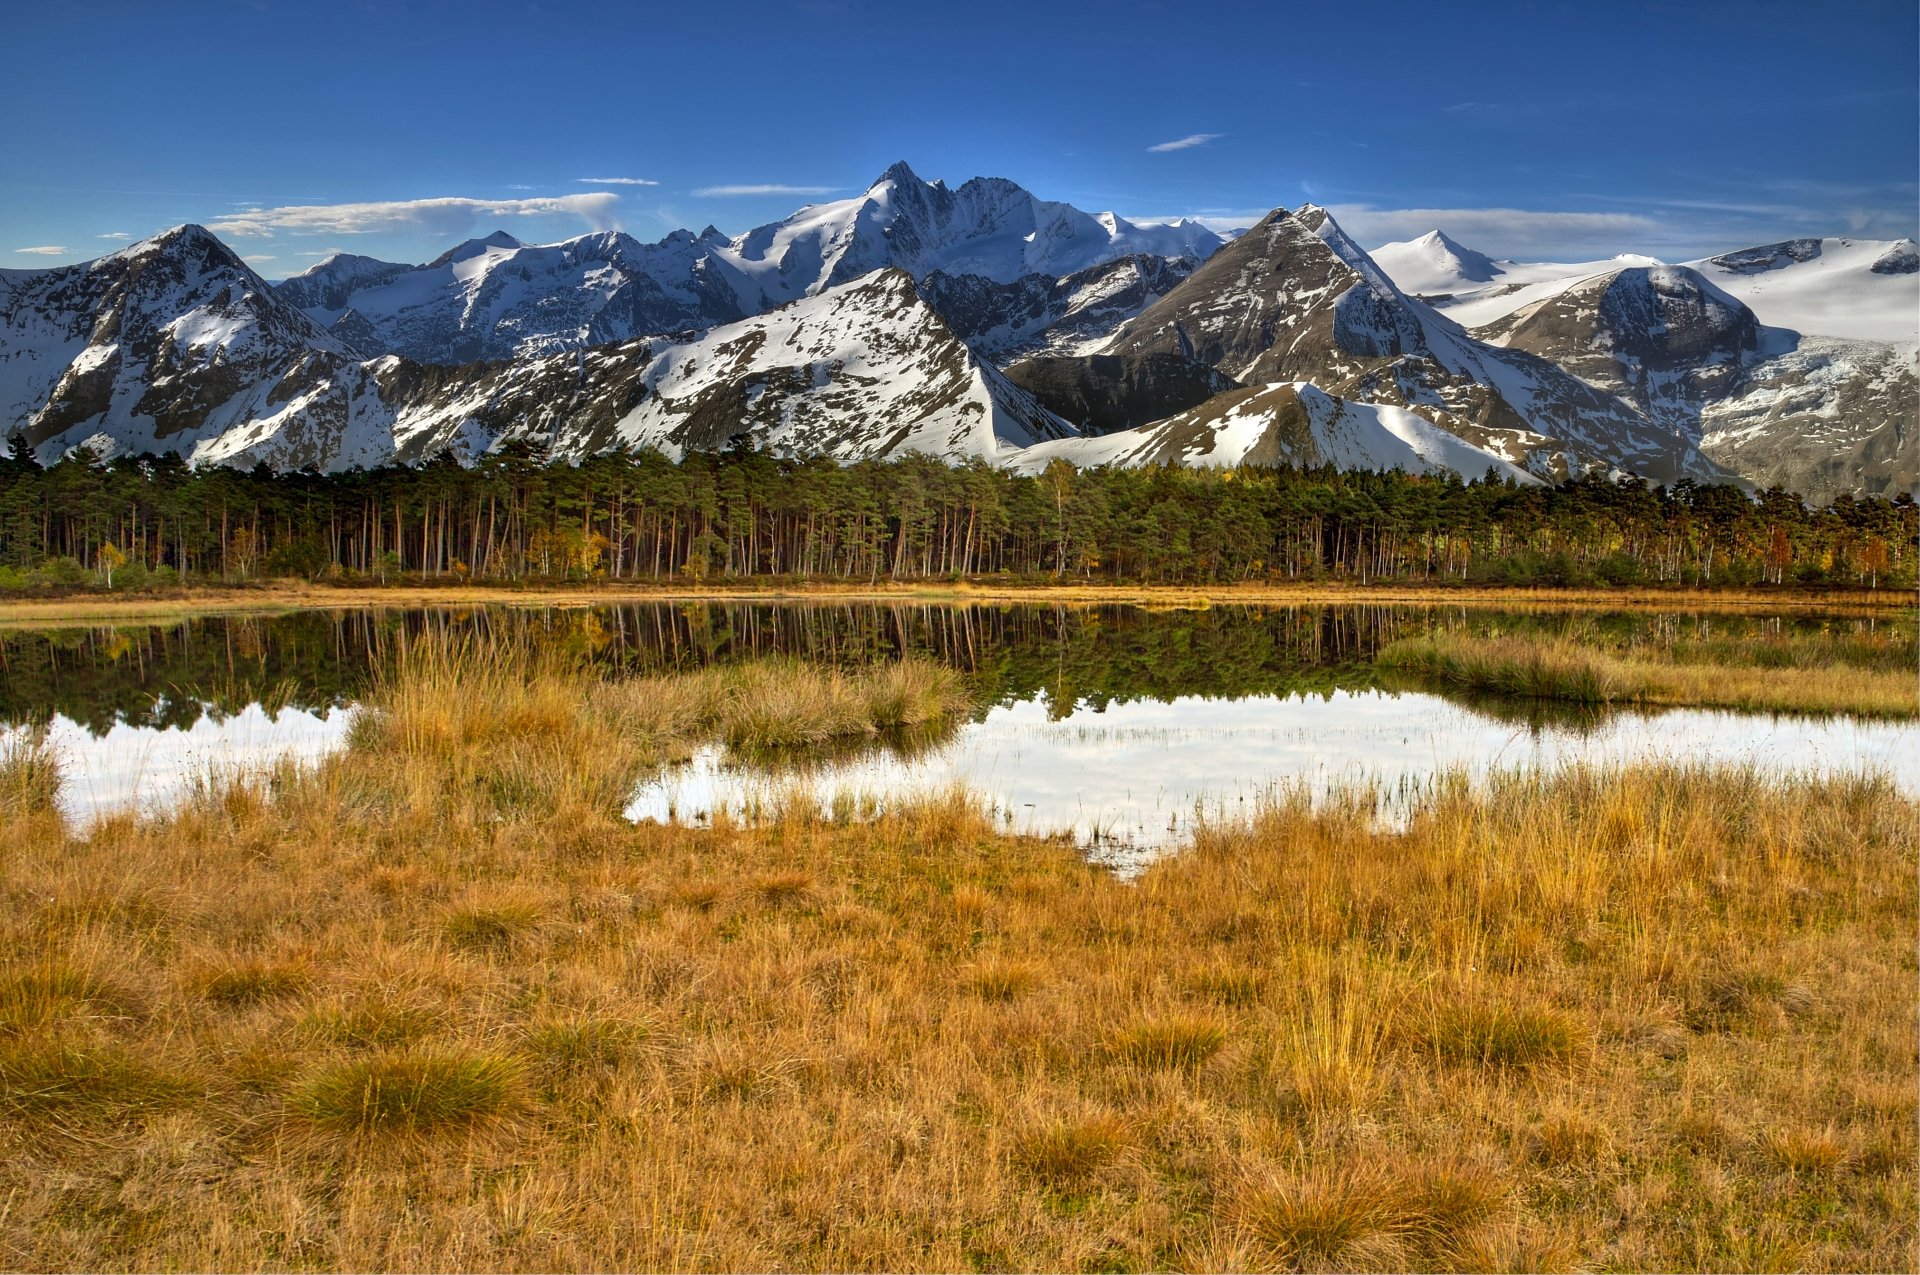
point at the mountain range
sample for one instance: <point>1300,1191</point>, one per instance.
<point>982,323</point>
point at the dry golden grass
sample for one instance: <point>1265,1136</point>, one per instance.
<point>291,595</point>
<point>434,1004</point>
<point>1561,668</point>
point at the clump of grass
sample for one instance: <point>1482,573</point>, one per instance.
<point>778,889</point>
<point>1569,1139</point>
<point>253,980</point>
<point>494,924</point>
<point>580,1042</point>
<point>29,775</point>
<point>411,1094</point>
<point>911,692</point>
<point>36,999</point>
<point>1177,1042</point>
<point>1528,668</point>
<point>1504,1035</point>
<point>1581,672</point>
<point>1370,1215</point>
<point>50,1078</point>
<point>1001,979</point>
<point>1804,1150</point>
<point>1726,998</point>
<point>780,706</point>
<point>1227,985</point>
<point>379,1018</point>
<point>1068,1153</point>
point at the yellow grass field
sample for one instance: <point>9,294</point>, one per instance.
<point>280,596</point>
<point>435,1004</point>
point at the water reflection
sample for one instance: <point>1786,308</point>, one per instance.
<point>146,768</point>
<point>1114,724</point>
<point>1130,780</point>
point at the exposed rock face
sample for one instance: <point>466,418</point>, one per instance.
<point>1285,424</point>
<point>1903,257</point>
<point>1770,256</point>
<point>1661,337</point>
<point>1039,314</point>
<point>167,337</point>
<point>1295,299</point>
<point>175,346</point>
<point>1819,415</point>
<point>1825,418</point>
<point>496,298</point>
<point>1102,393</point>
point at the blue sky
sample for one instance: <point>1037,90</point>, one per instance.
<point>1536,131</point>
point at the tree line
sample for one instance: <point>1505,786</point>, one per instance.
<point>137,521</point>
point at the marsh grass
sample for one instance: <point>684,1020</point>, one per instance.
<point>1825,675</point>
<point>416,1094</point>
<point>29,775</point>
<point>366,1015</point>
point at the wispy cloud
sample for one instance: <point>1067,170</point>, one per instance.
<point>260,258</point>
<point>440,216</point>
<point>116,234</point>
<point>1504,232</point>
<point>762,188</point>
<point>43,250</point>
<point>1184,143</point>
<point>616,181</point>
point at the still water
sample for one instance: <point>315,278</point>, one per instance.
<point>1117,726</point>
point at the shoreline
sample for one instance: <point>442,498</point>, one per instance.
<point>280,598</point>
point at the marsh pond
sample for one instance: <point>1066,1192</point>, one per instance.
<point>1118,726</point>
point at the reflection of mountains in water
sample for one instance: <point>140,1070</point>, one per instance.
<point>172,675</point>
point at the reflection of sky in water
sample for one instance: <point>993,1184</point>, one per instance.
<point>1125,782</point>
<point>1134,778</point>
<point>143,768</point>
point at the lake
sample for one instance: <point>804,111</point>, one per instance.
<point>1118,726</point>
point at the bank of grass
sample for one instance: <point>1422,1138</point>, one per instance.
<point>281,596</point>
<point>373,1015</point>
<point>1815,674</point>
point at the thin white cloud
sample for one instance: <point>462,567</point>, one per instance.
<point>765,188</point>
<point>1184,143</point>
<point>264,258</point>
<point>43,250</point>
<point>1518,233</point>
<point>440,216</point>
<point>616,181</point>
<point>115,234</point>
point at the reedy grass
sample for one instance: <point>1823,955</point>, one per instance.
<point>1643,1017</point>
<point>1802,676</point>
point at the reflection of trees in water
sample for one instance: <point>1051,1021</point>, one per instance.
<point>169,675</point>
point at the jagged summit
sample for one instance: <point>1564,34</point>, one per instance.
<point>867,326</point>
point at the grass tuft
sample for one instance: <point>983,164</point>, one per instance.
<point>1065,1154</point>
<point>1181,1042</point>
<point>417,1093</point>
<point>29,775</point>
<point>1500,1034</point>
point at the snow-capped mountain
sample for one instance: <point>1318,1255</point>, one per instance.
<point>166,338</point>
<point>1103,393</point>
<point>1295,299</point>
<point>988,226</point>
<point>1434,265</point>
<point>174,345</point>
<point>1286,343</point>
<point>496,298</point>
<point>1039,314</point>
<point>1860,289</point>
<point>1290,423</point>
<point>1820,415</point>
